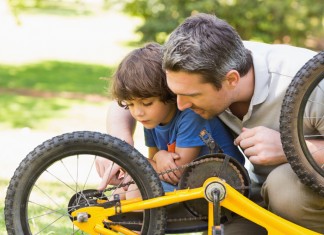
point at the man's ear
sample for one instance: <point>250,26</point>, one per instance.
<point>233,77</point>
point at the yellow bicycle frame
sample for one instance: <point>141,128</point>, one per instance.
<point>233,201</point>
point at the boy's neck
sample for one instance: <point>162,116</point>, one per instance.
<point>172,113</point>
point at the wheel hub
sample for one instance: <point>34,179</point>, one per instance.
<point>218,165</point>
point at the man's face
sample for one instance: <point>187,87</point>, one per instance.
<point>203,98</point>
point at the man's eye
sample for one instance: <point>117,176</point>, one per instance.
<point>148,104</point>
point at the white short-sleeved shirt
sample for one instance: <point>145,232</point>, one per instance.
<point>274,68</point>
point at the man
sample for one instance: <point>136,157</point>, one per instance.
<point>214,73</point>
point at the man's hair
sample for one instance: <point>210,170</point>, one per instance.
<point>206,45</point>
<point>140,75</point>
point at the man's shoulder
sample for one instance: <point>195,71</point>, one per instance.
<point>279,58</point>
<point>277,49</point>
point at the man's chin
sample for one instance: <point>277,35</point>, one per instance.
<point>207,116</point>
<point>203,114</point>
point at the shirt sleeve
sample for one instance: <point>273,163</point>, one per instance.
<point>149,139</point>
<point>189,125</point>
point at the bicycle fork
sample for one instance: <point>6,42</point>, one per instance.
<point>214,193</point>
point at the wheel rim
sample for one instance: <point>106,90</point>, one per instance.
<point>301,116</point>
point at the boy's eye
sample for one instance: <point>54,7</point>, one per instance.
<point>148,104</point>
<point>128,105</point>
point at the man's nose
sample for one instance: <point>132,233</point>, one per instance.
<point>183,103</point>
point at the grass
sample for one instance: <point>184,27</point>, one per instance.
<point>34,93</point>
<point>64,227</point>
<point>3,188</point>
<point>56,76</point>
<point>22,111</point>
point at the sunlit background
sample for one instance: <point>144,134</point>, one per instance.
<point>56,57</point>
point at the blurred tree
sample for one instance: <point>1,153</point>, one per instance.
<point>54,7</point>
<point>296,22</point>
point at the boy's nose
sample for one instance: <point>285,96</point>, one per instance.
<point>139,112</point>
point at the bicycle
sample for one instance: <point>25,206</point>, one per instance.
<point>37,203</point>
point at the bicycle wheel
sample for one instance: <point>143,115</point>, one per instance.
<point>58,176</point>
<point>301,120</point>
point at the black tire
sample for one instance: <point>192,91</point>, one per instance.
<point>66,162</point>
<point>306,86</point>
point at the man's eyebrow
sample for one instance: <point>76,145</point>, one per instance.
<point>188,94</point>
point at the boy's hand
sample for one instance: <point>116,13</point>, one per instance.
<point>165,161</point>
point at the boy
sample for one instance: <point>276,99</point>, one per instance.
<point>172,136</point>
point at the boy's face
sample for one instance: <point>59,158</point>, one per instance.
<point>203,98</point>
<point>151,111</point>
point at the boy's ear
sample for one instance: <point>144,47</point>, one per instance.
<point>233,77</point>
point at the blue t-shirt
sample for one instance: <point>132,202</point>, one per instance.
<point>184,130</point>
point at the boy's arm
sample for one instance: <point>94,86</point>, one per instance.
<point>165,160</point>
<point>187,155</point>
<point>151,152</point>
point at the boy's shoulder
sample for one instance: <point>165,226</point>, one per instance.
<point>190,116</point>
<point>188,113</point>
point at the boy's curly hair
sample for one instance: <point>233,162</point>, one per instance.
<point>140,75</point>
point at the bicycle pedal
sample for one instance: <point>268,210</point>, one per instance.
<point>218,230</point>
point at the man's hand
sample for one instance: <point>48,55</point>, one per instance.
<point>109,172</point>
<point>261,145</point>
<point>165,161</point>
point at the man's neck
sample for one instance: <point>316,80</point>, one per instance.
<point>246,90</point>
<point>239,109</point>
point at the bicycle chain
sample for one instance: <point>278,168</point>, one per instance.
<point>164,172</point>
<point>194,163</point>
<point>109,223</point>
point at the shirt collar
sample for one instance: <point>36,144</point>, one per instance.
<point>261,79</point>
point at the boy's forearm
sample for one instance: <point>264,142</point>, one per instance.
<point>153,163</point>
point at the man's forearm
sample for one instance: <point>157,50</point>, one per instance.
<point>316,148</point>
<point>120,123</point>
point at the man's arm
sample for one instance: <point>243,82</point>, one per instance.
<point>120,123</point>
<point>261,145</point>
<point>316,148</point>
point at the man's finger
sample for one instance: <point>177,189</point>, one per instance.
<point>107,176</point>
<point>103,184</point>
<point>99,169</point>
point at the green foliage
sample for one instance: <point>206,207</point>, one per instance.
<point>56,76</point>
<point>298,22</point>
<point>55,7</point>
